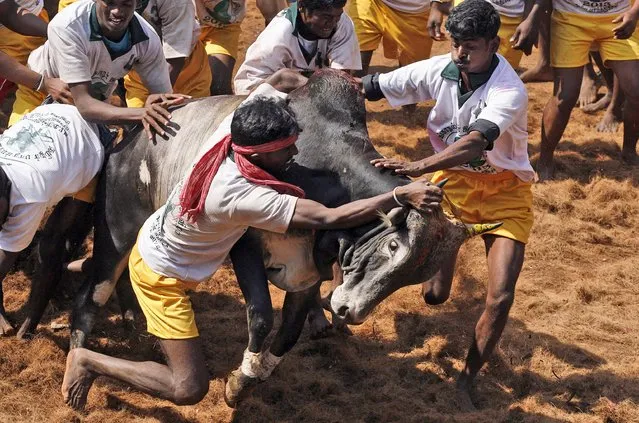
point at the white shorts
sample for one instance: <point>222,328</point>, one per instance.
<point>21,225</point>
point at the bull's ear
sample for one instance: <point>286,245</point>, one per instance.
<point>398,215</point>
<point>481,228</point>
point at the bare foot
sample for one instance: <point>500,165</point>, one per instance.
<point>238,386</point>
<point>588,91</point>
<point>600,104</point>
<point>537,74</point>
<point>609,123</point>
<point>629,157</point>
<point>545,171</point>
<point>77,380</point>
<point>6,328</point>
<point>463,400</point>
<point>318,323</point>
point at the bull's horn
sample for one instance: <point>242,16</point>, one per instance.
<point>481,228</point>
<point>441,183</point>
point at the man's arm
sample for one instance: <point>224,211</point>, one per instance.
<point>309,214</point>
<point>460,152</point>
<point>17,73</point>
<point>438,9</point>
<point>526,33</point>
<point>22,23</point>
<point>628,21</point>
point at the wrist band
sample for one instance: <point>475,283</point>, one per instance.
<point>399,203</point>
<point>38,87</point>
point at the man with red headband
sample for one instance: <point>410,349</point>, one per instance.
<point>230,189</point>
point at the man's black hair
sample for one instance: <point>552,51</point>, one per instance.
<point>263,120</point>
<point>473,19</point>
<point>312,5</point>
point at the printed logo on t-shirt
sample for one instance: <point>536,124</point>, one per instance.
<point>597,6</point>
<point>220,13</point>
<point>34,138</point>
<point>452,133</point>
<point>101,84</point>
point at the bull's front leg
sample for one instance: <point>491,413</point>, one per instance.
<point>248,264</point>
<point>64,232</point>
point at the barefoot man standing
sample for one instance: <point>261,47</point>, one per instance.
<point>478,131</point>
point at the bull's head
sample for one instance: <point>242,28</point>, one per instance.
<point>407,249</point>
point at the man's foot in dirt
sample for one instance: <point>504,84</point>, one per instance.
<point>77,380</point>
<point>630,157</point>
<point>600,104</point>
<point>609,123</point>
<point>588,91</point>
<point>6,328</point>
<point>237,387</point>
<point>318,323</point>
<point>537,74</point>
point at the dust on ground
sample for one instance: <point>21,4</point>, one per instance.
<point>569,352</point>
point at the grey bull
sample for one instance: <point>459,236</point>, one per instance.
<point>332,167</point>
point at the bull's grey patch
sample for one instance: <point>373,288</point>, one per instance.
<point>289,262</point>
<point>145,175</point>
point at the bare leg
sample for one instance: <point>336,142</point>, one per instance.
<point>589,87</point>
<point>366,62</point>
<point>184,380</point>
<point>556,115</point>
<point>270,8</point>
<point>626,72</point>
<point>64,232</point>
<point>614,112</point>
<point>222,71</point>
<point>542,72</point>
<point>505,259</point>
<point>608,77</point>
<point>7,260</point>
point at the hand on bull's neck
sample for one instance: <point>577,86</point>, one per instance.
<point>286,80</point>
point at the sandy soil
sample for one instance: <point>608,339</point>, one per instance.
<point>569,352</point>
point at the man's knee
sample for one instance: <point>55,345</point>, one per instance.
<point>566,100</point>
<point>191,391</point>
<point>499,305</point>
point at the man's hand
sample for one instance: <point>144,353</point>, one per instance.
<point>399,166</point>
<point>628,25</point>
<point>421,195</point>
<point>58,90</point>
<point>435,20</point>
<point>156,115</point>
<point>525,37</point>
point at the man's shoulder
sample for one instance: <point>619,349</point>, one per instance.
<point>507,78</point>
<point>74,17</point>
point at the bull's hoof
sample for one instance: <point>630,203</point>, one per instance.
<point>6,328</point>
<point>237,387</point>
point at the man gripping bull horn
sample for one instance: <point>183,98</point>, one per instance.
<point>229,189</point>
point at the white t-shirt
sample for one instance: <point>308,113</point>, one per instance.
<point>510,8</point>
<point>219,13</point>
<point>280,46</point>
<point>192,251</point>
<point>592,7</point>
<point>408,6</point>
<point>175,23</point>
<point>29,6</point>
<point>502,100</point>
<point>50,153</point>
<point>76,53</point>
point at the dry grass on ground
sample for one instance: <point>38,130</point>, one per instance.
<point>569,352</point>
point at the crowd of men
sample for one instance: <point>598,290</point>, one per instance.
<point>172,50</point>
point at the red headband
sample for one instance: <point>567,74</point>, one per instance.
<point>193,197</point>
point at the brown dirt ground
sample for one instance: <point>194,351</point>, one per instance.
<point>569,352</point>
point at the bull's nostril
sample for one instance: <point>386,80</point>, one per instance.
<point>342,311</point>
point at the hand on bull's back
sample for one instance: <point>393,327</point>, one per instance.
<point>421,195</point>
<point>156,114</point>
<point>399,166</point>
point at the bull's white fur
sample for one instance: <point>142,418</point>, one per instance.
<point>145,175</point>
<point>259,365</point>
<point>289,260</point>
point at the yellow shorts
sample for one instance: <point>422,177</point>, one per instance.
<point>64,3</point>
<point>403,35</point>
<point>572,36</point>
<point>224,40</point>
<point>20,46</point>
<point>193,80</point>
<point>27,99</point>
<point>87,194</point>
<point>487,198</point>
<point>163,300</point>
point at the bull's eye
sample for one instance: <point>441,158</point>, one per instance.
<point>393,246</point>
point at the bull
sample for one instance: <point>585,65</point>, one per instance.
<point>332,167</point>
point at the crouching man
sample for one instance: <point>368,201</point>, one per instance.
<point>478,132</point>
<point>230,189</point>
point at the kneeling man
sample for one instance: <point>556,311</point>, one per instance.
<point>478,131</point>
<point>230,189</point>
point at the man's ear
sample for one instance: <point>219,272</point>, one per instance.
<point>494,44</point>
